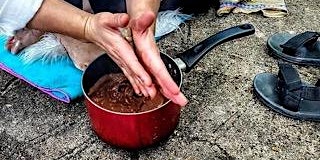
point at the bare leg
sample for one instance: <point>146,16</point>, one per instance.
<point>81,53</point>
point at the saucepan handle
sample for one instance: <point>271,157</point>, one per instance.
<point>191,56</point>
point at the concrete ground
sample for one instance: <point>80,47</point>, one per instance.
<point>223,119</point>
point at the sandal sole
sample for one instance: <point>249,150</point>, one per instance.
<point>271,103</point>
<point>277,53</point>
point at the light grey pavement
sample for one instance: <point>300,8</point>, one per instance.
<point>222,121</point>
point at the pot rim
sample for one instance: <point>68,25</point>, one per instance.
<point>131,114</point>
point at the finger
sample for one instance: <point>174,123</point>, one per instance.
<point>132,82</point>
<point>132,68</point>
<point>136,83</point>
<point>142,87</point>
<point>142,78</point>
<point>179,99</point>
<point>169,88</point>
<point>126,71</point>
<point>163,77</point>
<point>131,60</point>
<point>152,91</point>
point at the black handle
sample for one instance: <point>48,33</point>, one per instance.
<point>192,56</point>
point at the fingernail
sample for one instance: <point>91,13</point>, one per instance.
<point>15,47</point>
<point>12,40</point>
<point>184,100</point>
<point>139,94</point>
<point>152,91</point>
<point>180,100</point>
<point>145,93</point>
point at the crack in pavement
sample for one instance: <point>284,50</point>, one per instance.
<point>52,132</point>
<point>78,149</point>
<point>224,122</point>
<point>55,129</point>
<point>223,151</point>
<point>8,86</point>
<point>226,154</point>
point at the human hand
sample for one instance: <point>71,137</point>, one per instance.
<point>103,30</point>
<point>148,52</point>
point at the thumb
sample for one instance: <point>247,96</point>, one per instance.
<point>116,20</point>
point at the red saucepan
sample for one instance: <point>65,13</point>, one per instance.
<point>137,130</point>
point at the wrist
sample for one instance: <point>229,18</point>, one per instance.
<point>87,22</point>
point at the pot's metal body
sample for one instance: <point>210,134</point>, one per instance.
<point>138,130</point>
<point>129,130</point>
<point>134,131</point>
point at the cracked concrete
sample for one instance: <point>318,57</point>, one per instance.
<point>223,119</point>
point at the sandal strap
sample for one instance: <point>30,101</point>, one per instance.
<point>289,86</point>
<point>311,93</point>
<point>291,90</point>
<point>289,76</point>
<point>291,46</point>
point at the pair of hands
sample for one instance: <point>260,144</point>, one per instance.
<point>138,65</point>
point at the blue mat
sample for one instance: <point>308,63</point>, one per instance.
<point>60,79</point>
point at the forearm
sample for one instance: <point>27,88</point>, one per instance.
<point>60,17</point>
<point>136,7</point>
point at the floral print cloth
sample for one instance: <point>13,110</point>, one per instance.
<point>269,8</point>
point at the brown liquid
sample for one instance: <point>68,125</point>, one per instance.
<point>114,92</point>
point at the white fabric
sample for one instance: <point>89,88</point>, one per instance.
<point>168,21</point>
<point>15,14</point>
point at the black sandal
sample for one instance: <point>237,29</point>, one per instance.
<point>287,95</point>
<point>303,49</point>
